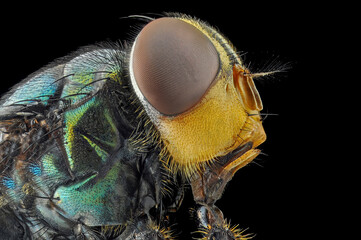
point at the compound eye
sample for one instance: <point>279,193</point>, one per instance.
<point>174,64</point>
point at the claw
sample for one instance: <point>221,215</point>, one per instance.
<point>214,227</point>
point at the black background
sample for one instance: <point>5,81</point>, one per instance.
<point>280,195</point>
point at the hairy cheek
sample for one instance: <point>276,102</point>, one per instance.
<point>207,131</point>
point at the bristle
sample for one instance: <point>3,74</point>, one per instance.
<point>112,229</point>
<point>237,234</point>
<point>166,232</point>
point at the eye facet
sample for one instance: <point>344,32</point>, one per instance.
<point>174,64</point>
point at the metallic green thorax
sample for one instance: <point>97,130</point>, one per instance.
<point>85,158</point>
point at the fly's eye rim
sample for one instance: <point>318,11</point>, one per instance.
<point>170,78</point>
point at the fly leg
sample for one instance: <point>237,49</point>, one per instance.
<point>144,228</point>
<point>207,187</point>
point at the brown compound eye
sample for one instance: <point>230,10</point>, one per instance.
<point>174,64</point>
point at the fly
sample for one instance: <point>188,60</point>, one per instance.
<point>100,144</point>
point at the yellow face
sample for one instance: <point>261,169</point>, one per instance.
<point>225,118</point>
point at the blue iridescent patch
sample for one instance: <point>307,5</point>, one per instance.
<point>35,169</point>
<point>8,182</point>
